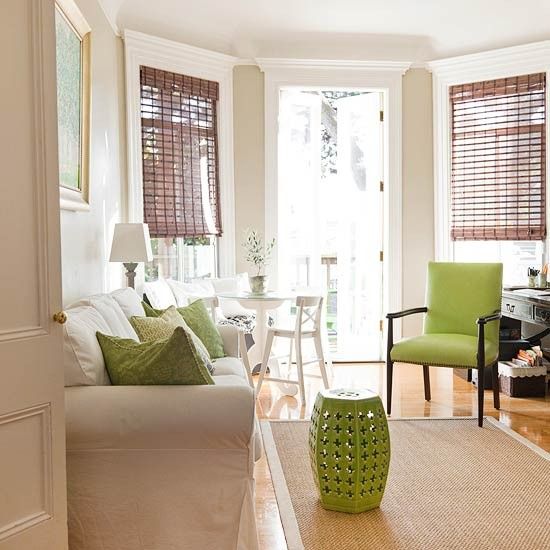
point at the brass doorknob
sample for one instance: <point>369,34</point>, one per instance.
<point>60,317</point>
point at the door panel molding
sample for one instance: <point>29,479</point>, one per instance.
<point>40,169</point>
<point>32,430</point>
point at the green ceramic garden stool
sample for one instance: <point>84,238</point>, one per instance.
<point>349,449</point>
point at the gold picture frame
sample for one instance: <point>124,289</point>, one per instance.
<point>73,50</point>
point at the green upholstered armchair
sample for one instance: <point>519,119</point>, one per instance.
<point>461,325</point>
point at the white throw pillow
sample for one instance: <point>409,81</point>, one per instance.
<point>82,357</point>
<point>237,284</point>
<point>159,294</point>
<point>129,301</point>
<point>185,293</point>
<point>112,313</point>
<point>204,286</point>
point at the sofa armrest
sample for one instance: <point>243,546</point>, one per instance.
<point>159,417</point>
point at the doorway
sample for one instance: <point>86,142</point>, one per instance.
<point>330,227</point>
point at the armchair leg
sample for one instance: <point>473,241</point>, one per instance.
<point>389,366</point>
<point>480,394</point>
<point>495,382</point>
<point>469,375</point>
<point>389,380</point>
<point>427,391</point>
<point>480,372</point>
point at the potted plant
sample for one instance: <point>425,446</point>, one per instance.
<point>258,255</point>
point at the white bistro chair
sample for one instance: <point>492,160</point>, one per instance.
<point>308,325</point>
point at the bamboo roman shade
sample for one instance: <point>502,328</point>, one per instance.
<point>498,159</point>
<point>180,154</point>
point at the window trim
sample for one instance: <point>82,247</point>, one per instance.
<point>142,49</point>
<point>501,63</point>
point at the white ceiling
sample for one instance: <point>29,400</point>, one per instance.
<point>407,30</point>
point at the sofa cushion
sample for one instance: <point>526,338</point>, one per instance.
<point>197,317</point>
<point>129,301</point>
<point>82,358</point>
<point>229,365</point>
<point>111,312</point>
<point>236,284</point>
<point>171,361</point>
<point>156,328</point>
<point>188,292</point>
<point>159,294</point>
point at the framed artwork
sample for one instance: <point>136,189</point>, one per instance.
<point>73,52</point>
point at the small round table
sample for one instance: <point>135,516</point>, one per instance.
<point>349,449</point>
<point>262,304</point>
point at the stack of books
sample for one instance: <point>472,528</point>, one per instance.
<point>528,357</point>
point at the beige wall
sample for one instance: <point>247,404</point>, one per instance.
<point>418,195</point>
<point>248,125</point>
<point>86,236</point>
<point>417,173</point>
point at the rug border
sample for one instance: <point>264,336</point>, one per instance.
<point>287,513</point>
<point>286,509</point>
<point>514,435</point>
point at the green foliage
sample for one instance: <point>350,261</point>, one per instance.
<point>257,253</point>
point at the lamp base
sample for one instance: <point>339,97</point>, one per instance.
<point>130,273</point>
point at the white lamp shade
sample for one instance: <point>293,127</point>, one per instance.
<point>131,243</point>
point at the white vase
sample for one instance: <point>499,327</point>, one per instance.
<point>258,284</point>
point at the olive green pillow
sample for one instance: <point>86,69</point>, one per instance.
<point>170,361</point>
<point>151,311</point>
<point>155,328</point>
<point>200,322</point>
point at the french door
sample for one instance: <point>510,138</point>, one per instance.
<point>330,211</point>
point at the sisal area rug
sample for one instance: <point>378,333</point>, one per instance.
<point>451,485</point>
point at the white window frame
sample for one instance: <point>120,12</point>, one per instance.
<point>167,55</point>
<point>501,63</point>
<point>384,76</point>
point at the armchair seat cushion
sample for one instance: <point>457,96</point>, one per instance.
<point>443,350</point>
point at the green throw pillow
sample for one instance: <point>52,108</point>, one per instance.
<point>151,311</point>
<point>155,328</point>
<point>171,361</point>
<point>200,322</point>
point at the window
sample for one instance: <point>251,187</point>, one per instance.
<point>182,259</point>
<point>498,172</point>
<point>498,159</point>
<point>180,172</point>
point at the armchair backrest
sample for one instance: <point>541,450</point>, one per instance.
<point>457,294</point>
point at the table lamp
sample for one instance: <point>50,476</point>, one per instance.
<point>131,245</point>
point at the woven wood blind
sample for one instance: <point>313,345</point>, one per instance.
<point>180,154</point>
<point>498,159</point>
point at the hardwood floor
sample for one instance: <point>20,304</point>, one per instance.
<point>451,396</point>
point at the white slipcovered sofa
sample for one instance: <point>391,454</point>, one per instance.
<point>155,467</point>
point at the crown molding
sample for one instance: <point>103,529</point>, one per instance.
<point>155,45</point>
<point>498,63</point>
<point>274,63</point>
<point>111,22</point>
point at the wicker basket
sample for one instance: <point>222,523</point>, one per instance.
<point>522,382</point>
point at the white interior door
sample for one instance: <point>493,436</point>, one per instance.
<point>360,227</point>
<point>299,255</point>
<point>32,427</point>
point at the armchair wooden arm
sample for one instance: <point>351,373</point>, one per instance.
<point>406,312</point>
<point>495,316</point>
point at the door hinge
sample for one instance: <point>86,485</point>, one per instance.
<point>381,186</point>
<point>381,325</point>
<point>381,255</point>
<point>381,116</point>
